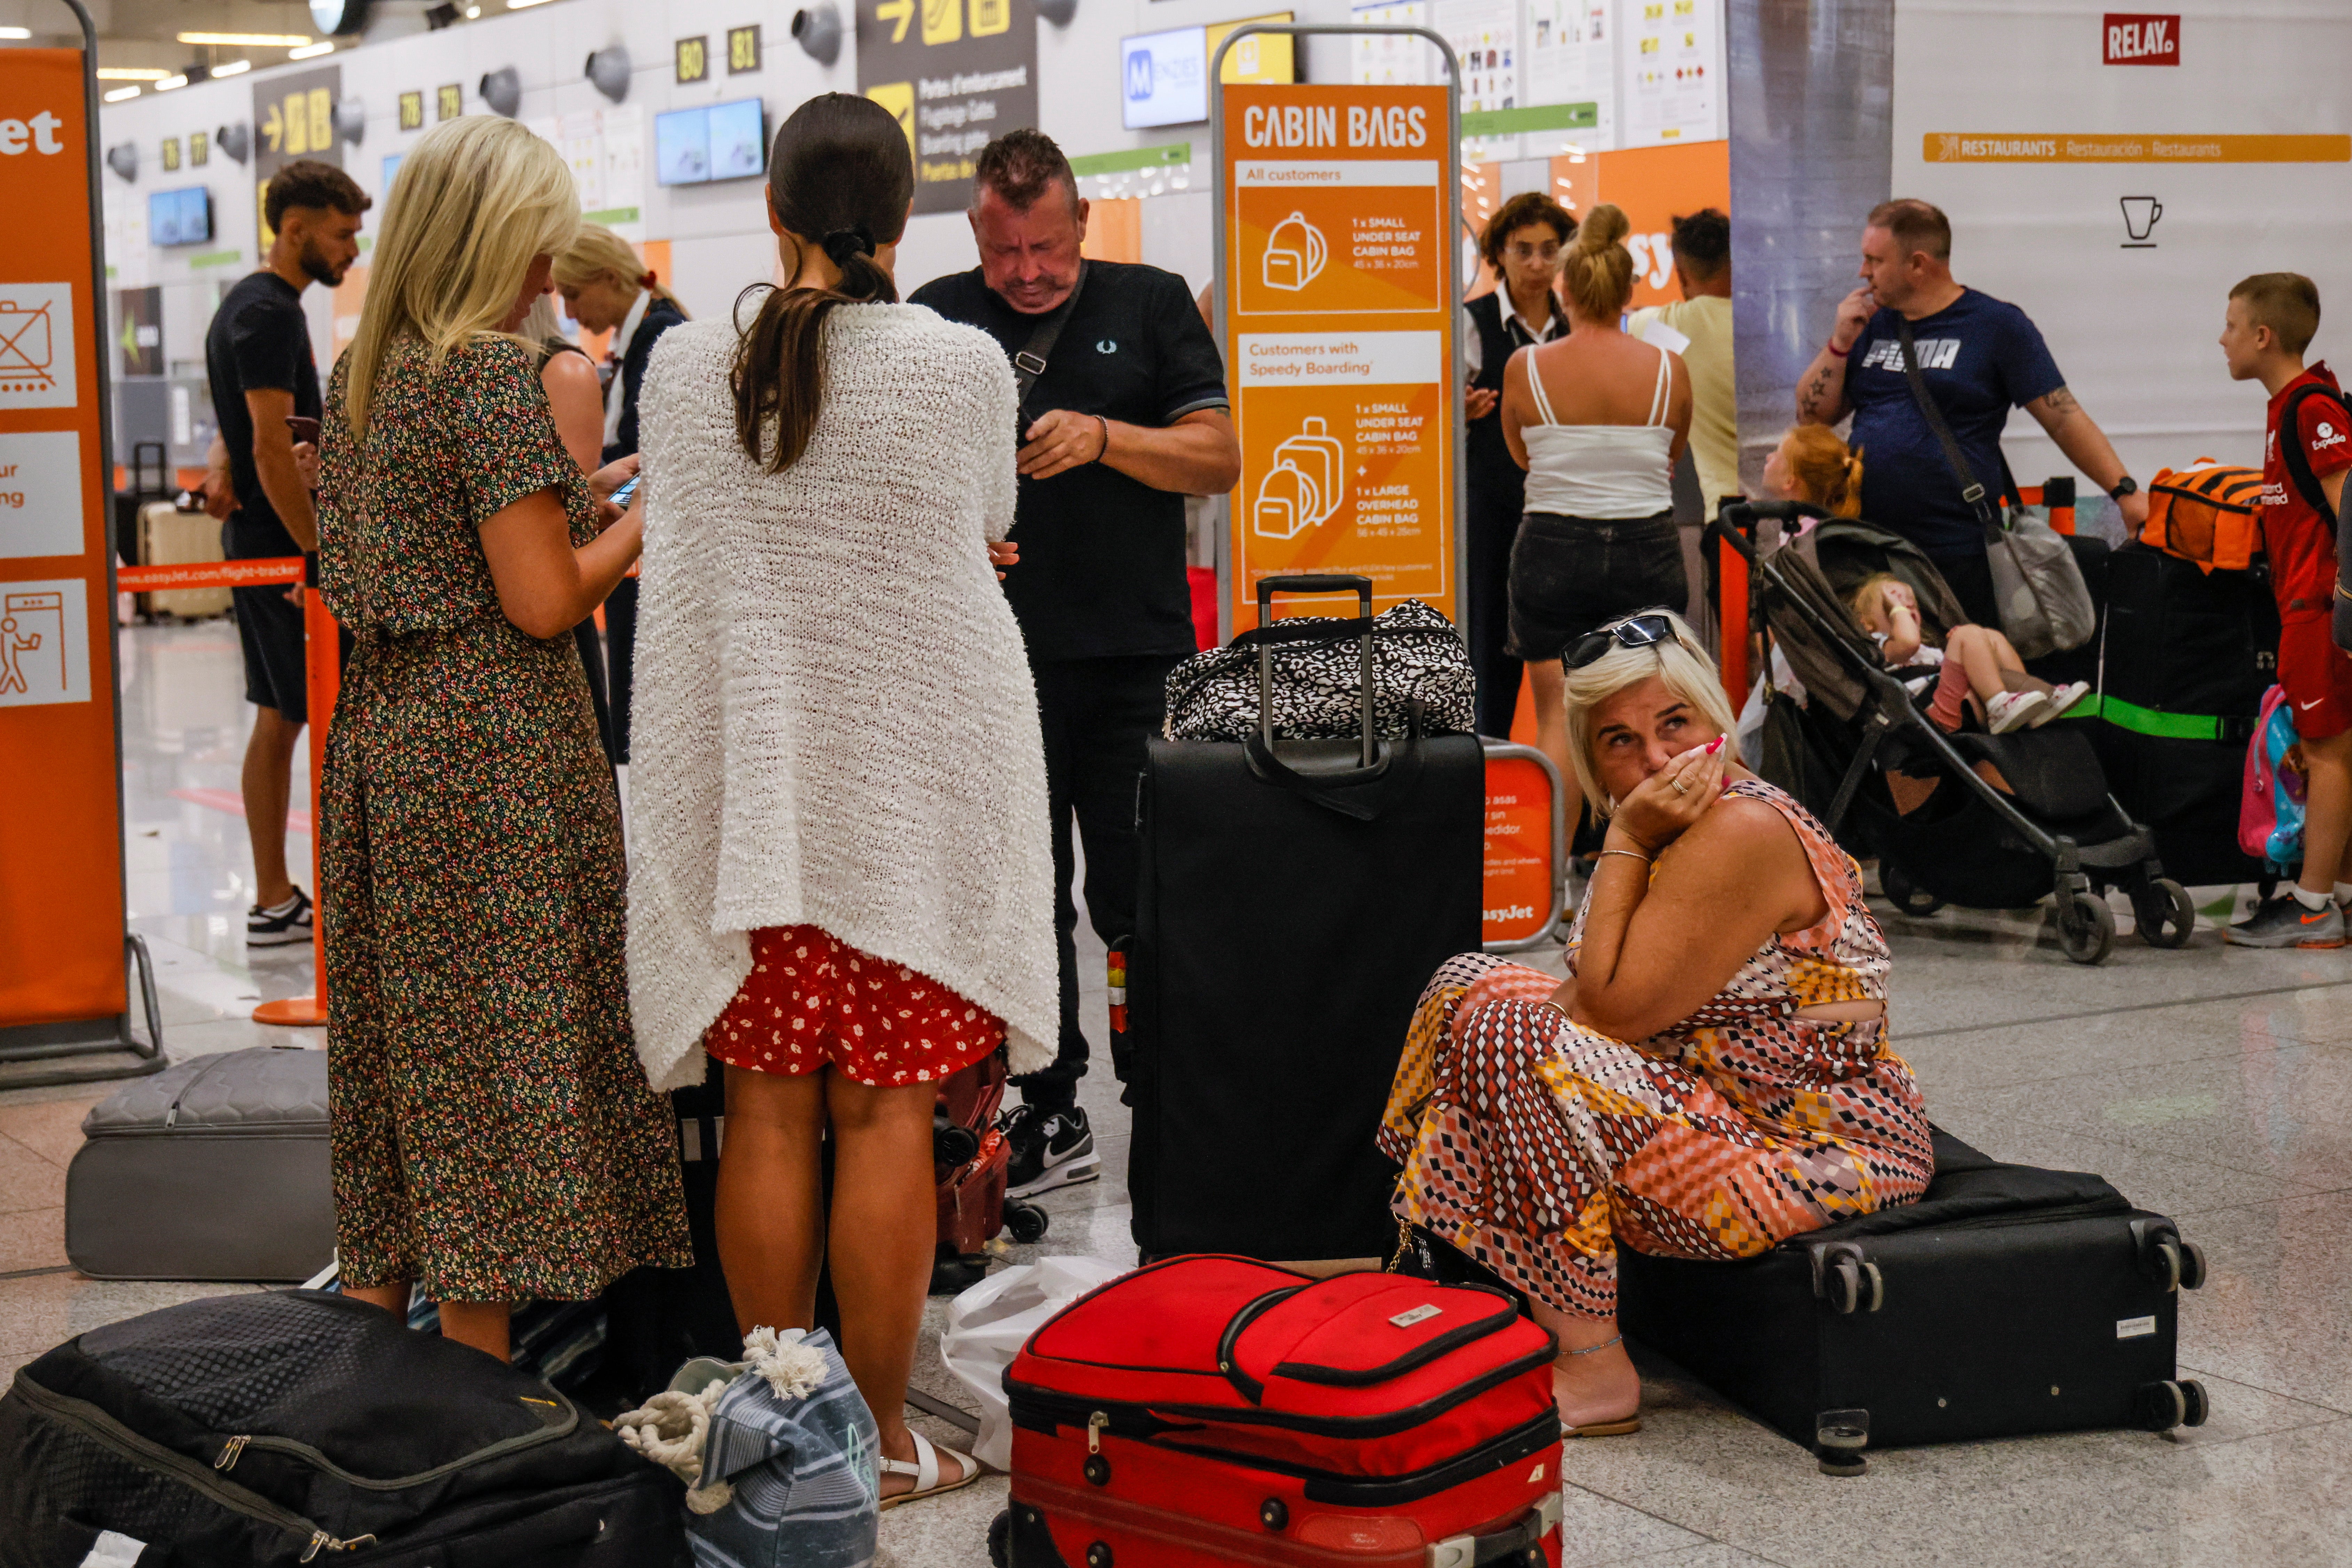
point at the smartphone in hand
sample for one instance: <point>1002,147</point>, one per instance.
<point>620,497</point>
<point>303,429</point>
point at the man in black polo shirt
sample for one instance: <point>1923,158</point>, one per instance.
<point>258,354</point>
<point>1127,418</point>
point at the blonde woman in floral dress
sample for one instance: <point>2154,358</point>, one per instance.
<point>1713,1078</point>
<point>494,1137</point>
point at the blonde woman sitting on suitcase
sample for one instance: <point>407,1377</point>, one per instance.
<point>1714,1076</point>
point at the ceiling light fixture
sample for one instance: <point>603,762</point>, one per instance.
<point>249,40</point>
<point>129,73</point>
<point>118,94</point>
<point>309,51</point>
<point>170,83</point>
<point>232,68</point>
<point>16,32</point>
<point>523,5</point>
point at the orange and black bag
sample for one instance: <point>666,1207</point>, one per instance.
<point>2207,513</point>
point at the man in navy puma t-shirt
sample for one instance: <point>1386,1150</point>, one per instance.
<point>1980,357</point>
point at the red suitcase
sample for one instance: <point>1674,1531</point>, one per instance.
<point>1213,1410</point>
<point>970,1163</point>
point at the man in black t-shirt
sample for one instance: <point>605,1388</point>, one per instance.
<point>1979,357</point>
<point>258,355</point>
<point>1127,418</point>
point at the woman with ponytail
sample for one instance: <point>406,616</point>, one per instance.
<point>607,288</point>
<point>1597,419</point>
<point>840,883</point>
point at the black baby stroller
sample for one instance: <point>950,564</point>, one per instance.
<point>1988,821</point>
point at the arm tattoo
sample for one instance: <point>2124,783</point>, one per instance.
<point>1808,398</point>
<point>2062,403</point>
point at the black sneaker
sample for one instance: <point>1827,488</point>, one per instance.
<point>1050,1149</point>
<point>281,927</point>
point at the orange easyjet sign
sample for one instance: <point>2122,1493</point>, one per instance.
<point>61,915</point>
<point>1339,307</point>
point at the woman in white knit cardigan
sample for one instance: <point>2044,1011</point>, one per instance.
<point>839,878</point>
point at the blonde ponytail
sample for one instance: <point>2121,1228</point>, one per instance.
<point>1597,274</point>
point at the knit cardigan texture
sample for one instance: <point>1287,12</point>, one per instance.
<point>836,724</point>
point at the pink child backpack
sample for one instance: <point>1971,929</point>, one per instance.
<point>2269,806</point>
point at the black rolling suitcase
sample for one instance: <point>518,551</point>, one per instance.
<point>292,1427</point>
<point>1294,898</point>
<point>2007,1301</point>
<point>2186,658</point>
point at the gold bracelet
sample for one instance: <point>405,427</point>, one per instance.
<point>1629,855</point>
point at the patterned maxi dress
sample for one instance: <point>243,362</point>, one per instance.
<point>493,1135</point>
<point>1533,1146</point>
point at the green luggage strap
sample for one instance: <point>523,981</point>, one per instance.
<point>2164,726</point>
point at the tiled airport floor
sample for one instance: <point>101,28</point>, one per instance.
<point>2210,1083</point>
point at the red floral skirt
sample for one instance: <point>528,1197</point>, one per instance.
<point>812,1000</point>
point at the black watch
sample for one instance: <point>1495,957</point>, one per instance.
<point>2126,485</point>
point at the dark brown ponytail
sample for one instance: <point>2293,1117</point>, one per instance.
<point>840,176</point>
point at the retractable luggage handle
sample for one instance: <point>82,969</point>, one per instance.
<point>1318,582</point>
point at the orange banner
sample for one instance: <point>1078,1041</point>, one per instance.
<point>1521,876</point>
<point>208,574</point>
<point>2093,147</point>
<point>1339,336</point>
<point>61,913</point>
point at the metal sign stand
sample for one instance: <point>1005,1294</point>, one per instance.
<point>1455,370</point>
<point>107,1036</point>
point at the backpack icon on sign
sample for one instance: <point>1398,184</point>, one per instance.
<point>1294,254</point>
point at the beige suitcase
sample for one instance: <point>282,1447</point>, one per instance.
<point>169,537</point>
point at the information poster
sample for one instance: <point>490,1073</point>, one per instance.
<point>957,73</point>
<point>60,818</point>
<point>1393,59</point>
<point>1485,37</point>
<point>1572,59</point>
<point>1339,336</point>
<point>1674,71</point>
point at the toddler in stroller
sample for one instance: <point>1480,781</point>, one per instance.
<point>1975,661</point>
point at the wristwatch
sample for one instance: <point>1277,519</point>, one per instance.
<point>2126,485</point>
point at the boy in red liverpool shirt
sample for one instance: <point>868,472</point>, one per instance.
<point>2272,319</point>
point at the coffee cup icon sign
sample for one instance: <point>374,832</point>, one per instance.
<point>1294,254</point>
<point>2141,216</point>
<point>1304,487</point>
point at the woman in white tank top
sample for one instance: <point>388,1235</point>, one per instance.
<point>1597,419</point>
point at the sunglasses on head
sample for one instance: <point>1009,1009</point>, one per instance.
<point>1634,631</point>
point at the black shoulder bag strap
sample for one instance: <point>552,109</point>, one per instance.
<point>1972,489</point>
<point>2298,461</point>
<point>1029,360</point>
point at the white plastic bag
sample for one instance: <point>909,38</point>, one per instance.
<point>988,1325</point>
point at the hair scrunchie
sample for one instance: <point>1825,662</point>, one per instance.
<point>647,279</point>
<point>843,244</point>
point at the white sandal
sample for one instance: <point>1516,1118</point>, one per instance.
<point>924,1468</point>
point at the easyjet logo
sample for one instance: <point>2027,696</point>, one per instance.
<point>2134,38</point>
<point>40,134</point>
<point>1935,354</point>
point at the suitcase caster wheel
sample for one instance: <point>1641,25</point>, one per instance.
<point>1000,1540</point>
<point>1273,1514</point>
<point>1096,1470</point>
<point>2193,1394</point>
<point>1856,1285</point>
<point>1905,894</point>
<point>2164,914</point>
<point>2086,926</point>
<point>1839,1439</point>
<point>1027,1222</point>
<point>2192,1274</point>
<point>1098,1554</point>
<point>2166,1405</point>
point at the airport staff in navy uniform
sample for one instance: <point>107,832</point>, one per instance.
<point>1523,242</point>
<point>1129,417</point>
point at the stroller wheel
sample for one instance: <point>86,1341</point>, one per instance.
<point>2086,926</point>
<point>1903,894</point>
<point>2164,915</point>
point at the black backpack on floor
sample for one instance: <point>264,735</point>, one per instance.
<point>294,1427</point>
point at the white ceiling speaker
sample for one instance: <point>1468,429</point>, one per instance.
<point>123,159</point>
<point>818,32</point>
<point>1057,12</point>
<point>350,121</point>
<point>236,141</point>
<point>608,71</point>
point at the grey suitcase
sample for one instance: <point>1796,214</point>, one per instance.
<point>212,1169</point>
